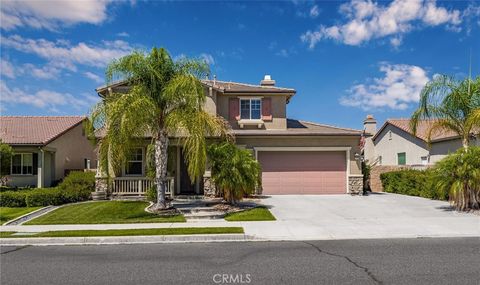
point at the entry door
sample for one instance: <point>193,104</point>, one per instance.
<point>186,186</point>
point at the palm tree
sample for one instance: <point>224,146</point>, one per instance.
<point>235,171</point>
<point>165,98</point>
<point>453,105</point>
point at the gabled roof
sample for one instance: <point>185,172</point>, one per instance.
<point>32,130</point>
<point>301,128</point>
<point>422,130</point>
<point>236,87</point>
<point>223,87</point>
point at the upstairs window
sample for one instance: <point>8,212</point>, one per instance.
<point>250,109</point>
<point>22,164</point>
<point>134,164</point>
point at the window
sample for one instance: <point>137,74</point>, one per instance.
<point>250,109</point>
<point>424,160</point>
<point>134,164</point>
<point>401,158</point>
<point>22,164</point>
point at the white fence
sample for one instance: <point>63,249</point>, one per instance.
<point>137,185</point>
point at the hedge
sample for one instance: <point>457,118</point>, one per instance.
<point>413,182</point>
<point>76,187</point>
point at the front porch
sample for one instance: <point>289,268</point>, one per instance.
<point>132,180</point>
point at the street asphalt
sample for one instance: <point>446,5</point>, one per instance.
<point>381,261</point>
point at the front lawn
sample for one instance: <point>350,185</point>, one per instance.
<point>132,232</point>
<point>105,212</point>
<point>7,213</point>
<point>255,214</point>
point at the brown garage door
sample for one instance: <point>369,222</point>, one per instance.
<point>303,172</point>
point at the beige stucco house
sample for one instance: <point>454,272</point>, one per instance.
<point>394,143</point>
<point>46,148</point>
<point>297,157</point>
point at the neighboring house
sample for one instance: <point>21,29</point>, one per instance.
<point>297,157</point>
<point>46,148</point>
<point>394,143</point>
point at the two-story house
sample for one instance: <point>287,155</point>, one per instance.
<point>296,157</point>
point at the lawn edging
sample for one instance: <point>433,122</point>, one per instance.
<point>26,215</point>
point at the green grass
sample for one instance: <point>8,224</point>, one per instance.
<point>7,213</point>
<point>132,232</point>
<point>108,212</point>
<point>6,234</point>
<point>255,214</point>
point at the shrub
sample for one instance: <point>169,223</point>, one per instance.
<point>414,183</point>
<point>13,199</point>
<point>234,171</point>
<point>44,197</point>
<point>73,194</point>
<point>79,180</point>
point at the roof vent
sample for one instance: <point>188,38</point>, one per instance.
<point>267,81</point>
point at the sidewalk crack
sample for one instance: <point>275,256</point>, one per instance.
<point>369,273</point>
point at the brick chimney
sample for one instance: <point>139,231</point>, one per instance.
<point>370,125</point>
<point>267,81</point>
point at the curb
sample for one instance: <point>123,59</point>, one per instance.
<point>124,240</point>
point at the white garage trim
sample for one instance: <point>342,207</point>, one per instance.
<point>347,150</point>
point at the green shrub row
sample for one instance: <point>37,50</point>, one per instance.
<point>76,187</point>
<point>421,183</point>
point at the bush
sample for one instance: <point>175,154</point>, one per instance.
<point>44,197</point>
<point>414,183</point>
<point>79,180</point>
<point>235,171</point>
<point>13,199</point>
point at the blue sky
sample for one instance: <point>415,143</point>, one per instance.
<point>345,59</point>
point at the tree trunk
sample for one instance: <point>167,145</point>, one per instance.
<point>465,143</point>
<point>161,159</point>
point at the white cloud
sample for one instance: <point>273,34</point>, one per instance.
<point>62,54</point>
<point>366,20</point>
<point>51,14</point>
<point>7,69</point>
<point>46,72</point>
<point>123,34</point>
<point>397,89</point>
<point>208,58</point>
<point>282,53</point>
<point>314,11</point>
<point>93,77</point>
<point>40,99</point>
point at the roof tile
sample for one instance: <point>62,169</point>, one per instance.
<point>32,130</point>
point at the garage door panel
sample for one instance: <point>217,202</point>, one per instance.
<point>303,172</point>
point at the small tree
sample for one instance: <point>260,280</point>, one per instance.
<point>235,172</point>
<point>459,175</point>
<point>6,153</point>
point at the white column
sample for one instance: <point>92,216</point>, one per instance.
<point>40,170</point>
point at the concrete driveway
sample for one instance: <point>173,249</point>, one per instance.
<point>302,217</point>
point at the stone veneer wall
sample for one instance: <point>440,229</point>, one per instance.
<point>355,184</point>
<point>375,171</point>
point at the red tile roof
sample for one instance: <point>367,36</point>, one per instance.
<point>31,130</point>
<point>422,129</point>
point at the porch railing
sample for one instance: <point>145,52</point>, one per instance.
<point>137,185</point>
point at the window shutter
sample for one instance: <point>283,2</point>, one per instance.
<point>35,164</point>
<point>234,109</point>
<point>267,109</point>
